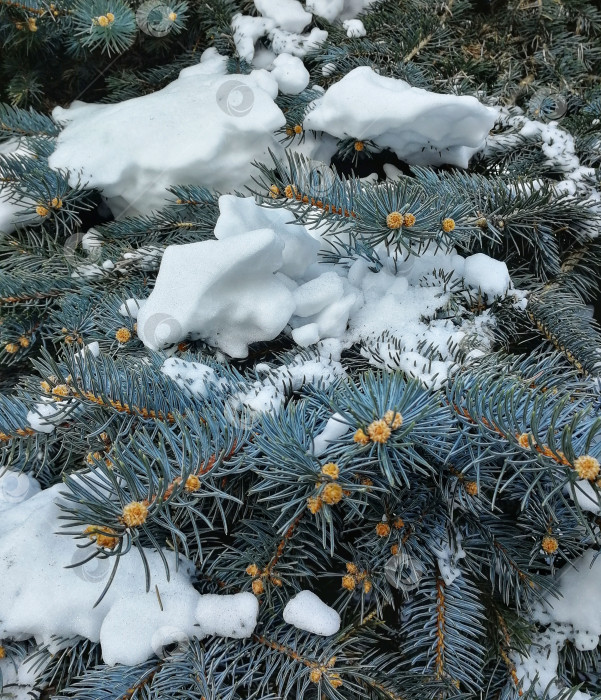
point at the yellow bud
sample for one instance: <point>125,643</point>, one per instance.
<point>394,220</point>
<point>550,544</point>
<point>123,335</point>
<point>135,514</point>
<point>448,225</point>
<point>192,483</point>
<point>332,494</point>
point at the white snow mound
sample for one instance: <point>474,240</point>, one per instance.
<point>42,598</point>
<point>488,275</point>
<point>421,127</point>
<point>222,291</point>
<point>573,617</point>
<point>262,277</point>
<point>308,612</point>
<point>204,128</point>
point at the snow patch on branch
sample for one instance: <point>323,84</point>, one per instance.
<point>261,278</point>
<point>308,612</point>
<point>421,127</point>
<point>205,128</point>
<point>575,617</point>
<point>48,600</point>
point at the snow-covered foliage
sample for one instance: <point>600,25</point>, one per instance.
<point>59,597</point>
<point>571,616</point>
<point>262,277</point>
<point>421,127</point>
<point>299,384</point>
<point>207,128</point>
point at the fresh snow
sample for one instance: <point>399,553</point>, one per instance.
<point>559,150</point>
<point>262,277</point>
<point>573,617</point>
<point>318,367</point>
<point>354,28</point>
<point>18,679</point>
<point>131,307</point>
<point>421,127</point>
<point>448,557</point>
<point>308,612</point>
<point>45,416</point>
<point>585,495</point>
<point>290,74</point>
<point>232,616</point>
<point>222,291</point>
<point>11,213</point>
<point>16,487</point>
<point>296,44</point>
<point>338,9</point>
<point>247,31</point>
<point>269,393</point>
<point>487,275</point>
<point>49,600</point>
<point>334,429</point>
<point>289,15</point>
<point>241,215</point>
<point>206,128</point>
<point>194,378</point>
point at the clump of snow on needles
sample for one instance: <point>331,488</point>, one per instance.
<point>11,211</point>
<point>421,127</point>
<point>308,612</point>
<point>574,616</point>
<point>338,9</point>
<point>48,600</point>
<point>205,128</point>
<point>262,277</point>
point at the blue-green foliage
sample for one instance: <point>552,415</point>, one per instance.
<point>483,466</point>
